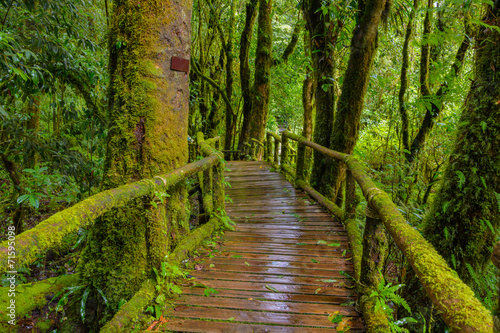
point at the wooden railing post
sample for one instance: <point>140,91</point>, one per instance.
<point>269,148</point>
<point>276,153</point>
<point>300,173</point>
<point>284,150</point>
<point>374,249</point>
<point>218,187</point>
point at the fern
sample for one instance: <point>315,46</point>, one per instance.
<point>498,200</point>
<point>473,274</point>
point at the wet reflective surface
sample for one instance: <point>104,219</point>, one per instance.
<point>280,270</point>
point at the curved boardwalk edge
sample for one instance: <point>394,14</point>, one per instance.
<point>282,270</point>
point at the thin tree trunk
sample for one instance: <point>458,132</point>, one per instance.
<point>230,114</point>
<point>404,81</point>
<point>436,104</point>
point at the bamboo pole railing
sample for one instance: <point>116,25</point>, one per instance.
<point>455,301</point>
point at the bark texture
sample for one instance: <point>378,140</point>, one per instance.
<point>351,101</point>
<point>148,117</point>
<point>263,63</point>
<point>323,37</point>
<point>245,78</point>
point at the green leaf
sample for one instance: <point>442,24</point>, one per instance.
<point>301,244</point>
<point>237,256</point>
<point>315,261</point>
<point>334,244</point>
<point>83,303</point>
<point>321,242</point>
<point>271,288</point>
<point>484,125</point>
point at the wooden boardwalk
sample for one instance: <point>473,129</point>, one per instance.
<point>281,269</point>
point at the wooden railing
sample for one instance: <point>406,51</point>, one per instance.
<point>49,233</point>
<point>456,302</point>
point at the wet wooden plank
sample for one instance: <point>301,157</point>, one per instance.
<point>327,289</point>
<point>272,296</point>
<point>284,319</point>
<point>268,306</point>
<point>273,275</point>
<point>193,325</point>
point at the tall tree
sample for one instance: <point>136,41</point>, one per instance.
<point>323,35</point>
<point>148,119</point>
<point>403,111</point>
<point>464,217</point>
<point>466,209</point>
<point>351,101</point>
<point>263,63</point>
<point>245,77</point>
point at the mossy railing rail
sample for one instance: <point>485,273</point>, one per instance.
<point>49,233</point>
<point>456,302</point>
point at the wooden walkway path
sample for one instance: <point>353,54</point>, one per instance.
<point>281,269</point>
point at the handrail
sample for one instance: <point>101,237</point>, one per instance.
<point>51,231</point>
<point>456,302</point>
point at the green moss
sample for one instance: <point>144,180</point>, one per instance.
<point>34,295</point>
<point>44,326</point>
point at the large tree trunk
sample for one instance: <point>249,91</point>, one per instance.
<point>245,78</point>
<point>351,101</point>
<point>466,208</point>
<point>322,40</point>
<point>457,224</point>
<point>262,77</point>
<point>148,117</point>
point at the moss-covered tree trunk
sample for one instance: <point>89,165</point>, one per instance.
<point>245,77</point>
<point>467,202</point>
<point>323,63</point>
<point>351,101</point>
<point>466,206</point>
<point>148,121</point>
<point>308,106</point>
<point>263,63</point>
<point>403,111</point>
<point>231,116</point>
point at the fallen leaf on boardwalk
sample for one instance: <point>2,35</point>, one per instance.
<point>237,256</point>
<point>317,291</point>
<point>327,280</point>
<point>343,326</point>
<point>315,261</point>
<point>233,318</point>
<point>247,263</point>
<point>334,244</point>
<point>271,288</point>
<point>322,242</point>
<point>212,266</point>
<point>301,244</point>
